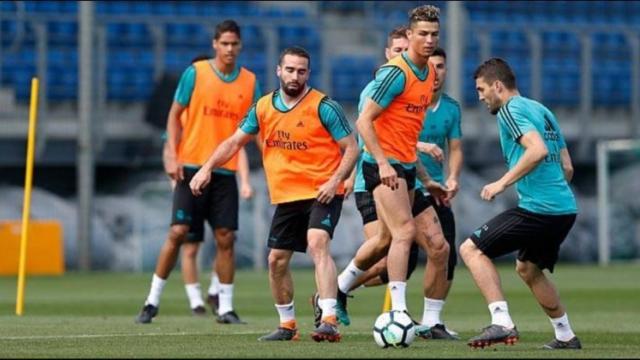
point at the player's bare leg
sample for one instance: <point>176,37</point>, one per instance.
<point>325,276</point>
<point>225,268</point>
<point>487,279</point>
<point>166,261</point>
<point>281,285</point>
<point>394,213</point>
<point>188,262</point>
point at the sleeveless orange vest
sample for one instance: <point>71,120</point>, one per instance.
<point>298,152</point>
<point>399,125</point>
<point>213,114</point>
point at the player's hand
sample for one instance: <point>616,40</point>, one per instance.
<point>327,191</point>
<point>432,150</point>
<point>388,175</point>
<point>173,168</point>
<point>439,192</point>
<point>453,186</point>
<point>246,191</point>
<point>199,181</point>
<point>348,187</point>
<point>490,191</point>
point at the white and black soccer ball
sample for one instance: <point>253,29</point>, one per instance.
<point>393,329</point>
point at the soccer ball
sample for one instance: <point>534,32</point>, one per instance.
<point>394,328</point>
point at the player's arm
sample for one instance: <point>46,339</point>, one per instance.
<point>454,166</point>
<point>535,152</point>
<point>223,153</point>
<point>430,149</point>
<point>350,182</point>
<point>181,100</point>
<point>439,192</point>
<point>565,157</point>
<point>388,84</point>
<point>174,133</point>
<point>567,165</point>
<point>243,173</point>
<point>349,148</point>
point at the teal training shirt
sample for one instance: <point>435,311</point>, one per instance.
<point>331,115</point>
<point>544,190</point>
<point>188,81</point>
<point>441,124</point>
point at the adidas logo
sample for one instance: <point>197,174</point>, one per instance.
<point>477,233</point>
<point>300,124</point>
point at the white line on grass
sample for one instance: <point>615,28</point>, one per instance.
<point>93,336</point>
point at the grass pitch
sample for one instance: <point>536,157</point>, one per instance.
<point>91,315</point>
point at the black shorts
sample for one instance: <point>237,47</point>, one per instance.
<point>537,237</point>
<point>218,204</point>
<point>371,175</point>
<point>292,220</point>
<point>367,206</point>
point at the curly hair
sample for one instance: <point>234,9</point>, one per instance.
<point>428,13</point>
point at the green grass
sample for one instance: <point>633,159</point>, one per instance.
<point>91,315</point>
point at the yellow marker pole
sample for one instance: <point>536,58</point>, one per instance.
<point>33,115</point>
<point>387,300</point>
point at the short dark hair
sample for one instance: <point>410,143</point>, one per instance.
<point>399,32</point>
<point>200,58</point>
<point>496,69</point>
<point>227,26</point>
<point>440,52</point>
<point>297,51</point>
<point>427,13</point>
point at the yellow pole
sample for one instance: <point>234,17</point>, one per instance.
<point>33,114</point>
<point>387,300</point>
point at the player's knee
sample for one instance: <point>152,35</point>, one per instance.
<point>277,262</point>
<point>225,239</point>
<point>439,251</point>
<point>318,245</point>
<point>406,232</point>
<point>468,249</point>
<point>190,251</point>
<point>528,272</point>
<point>178,234</point>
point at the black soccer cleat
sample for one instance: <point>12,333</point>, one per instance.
<point>494,334</point>
<point>436,332</point>
<point>214,302</point>
<point>281,334</point>
<point>199,311</point>
<point>317,311</point>
<point>229,317</point>
<point>573,344</point>
<point>147,313</point>
<point>341,308</point>
<point>326,331</point>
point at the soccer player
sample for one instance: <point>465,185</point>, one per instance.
<point>390,123</point>
<point>188,256</point>
<point>215,94</point>
<point>540,166</point>
<point>441,128</point>
<point>304,135</point>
